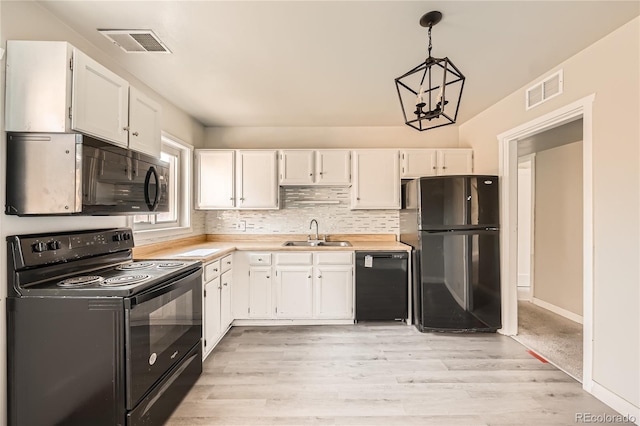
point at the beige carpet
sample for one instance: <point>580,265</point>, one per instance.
<point>552,336</point>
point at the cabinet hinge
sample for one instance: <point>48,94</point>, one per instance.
<point>276,309</point>
<point>276,272</point>
<point>248,310</point>
<point>403,155</point>
<point>205,293</point>
<point>205,342</point>
<point>249,273</point>
<point>69,112</point>
<point>281,156</point>
<point>71,63</point>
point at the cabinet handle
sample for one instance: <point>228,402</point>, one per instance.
<point>135,133</point>
<point>259,260</point>
<point>319,276</point>
<point>310,174</point>
<point>215,269</point>
<point>231,199</point>
<point>268,276</point>
<point>126,128</point>
<point>224,284</point>
<point>309,276</point>
<point>444,167</point>
<point>434,167</point>
<point>241,199</point>
<point>321,173</point>
<point>229,263</point>
<point>358,198</point>
<point>219,288</point>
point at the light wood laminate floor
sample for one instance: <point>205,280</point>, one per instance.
<point>378,374</point>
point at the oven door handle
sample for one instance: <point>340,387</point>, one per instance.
<point>159,291</point>
<point>147,180</point>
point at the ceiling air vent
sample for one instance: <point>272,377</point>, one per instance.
<point>135,41</point>
<point>545,90</point>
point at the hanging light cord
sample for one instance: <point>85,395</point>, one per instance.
<point>429,40</point>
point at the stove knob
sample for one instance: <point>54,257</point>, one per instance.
<point>117,237</point>
<point>126,236</point>
<point>39,247</point>
<point>54,245</point>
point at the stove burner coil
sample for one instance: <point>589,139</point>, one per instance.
<point>124,280</point>
<point>170,265</point>
<point>134,266</point>
<point>81,281</point>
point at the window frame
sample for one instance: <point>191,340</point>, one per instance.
<point>183,194</point>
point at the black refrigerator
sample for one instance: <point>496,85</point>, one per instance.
<point>452,223</point>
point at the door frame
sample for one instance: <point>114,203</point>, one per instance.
<point>508,170</point>
<point>531,159</point>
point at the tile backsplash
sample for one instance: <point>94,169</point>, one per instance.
<point>298,205</point>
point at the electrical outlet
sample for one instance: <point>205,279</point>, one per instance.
<point>242,225</point>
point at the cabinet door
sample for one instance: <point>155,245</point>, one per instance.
<point>376,183</point>
<point>294,295</point>
<point>144,123</point>
<point>225,300</point>
<point>260,302</point>
<point>100,101</point>
<point>256,179</point>
<point>418,162</point>
<point>333,167</point>
<point>211,321</point>
<point>296,167</point>
<point>455,161</point>
<point>214,179</point>
<point>333,288</point>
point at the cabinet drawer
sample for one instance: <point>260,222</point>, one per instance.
<point>334,258</point>
<point>226,263</point>
<point>294,259</point>
<point>211,270</point>
<point>256,259</point>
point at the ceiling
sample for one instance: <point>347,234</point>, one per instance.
<point>333,63</point>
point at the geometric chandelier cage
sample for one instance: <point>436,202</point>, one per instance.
<point>430,93</point>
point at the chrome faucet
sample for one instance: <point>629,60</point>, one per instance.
<point>311,225</point>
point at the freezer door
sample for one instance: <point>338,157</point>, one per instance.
<point>458,202</point>
<point>484,206</point>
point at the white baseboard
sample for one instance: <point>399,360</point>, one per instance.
<point>558,310</point>
<point>524,293</point>
<point>264,322</point>
<point>621,405</point>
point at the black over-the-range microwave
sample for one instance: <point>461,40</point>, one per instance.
<point>75,174</point>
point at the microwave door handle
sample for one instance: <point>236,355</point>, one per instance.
<point>147,180</point>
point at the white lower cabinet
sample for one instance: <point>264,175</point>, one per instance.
<point>260,303</point>
<point>294,292</point>
<point>216,310</point>
<point>333,285</point>
<point>297,286</point>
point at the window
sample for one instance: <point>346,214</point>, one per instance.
<point>177,219</point>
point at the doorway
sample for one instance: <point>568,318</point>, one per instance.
<point>550,264</point>
<point>508,155</point>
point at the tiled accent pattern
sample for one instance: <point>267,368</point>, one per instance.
<point>295,214</point>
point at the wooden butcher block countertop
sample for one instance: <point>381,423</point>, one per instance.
<point>210,247</point>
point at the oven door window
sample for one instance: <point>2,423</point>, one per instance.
<point>161,330</point>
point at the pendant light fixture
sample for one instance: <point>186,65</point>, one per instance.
<point>430,93</point>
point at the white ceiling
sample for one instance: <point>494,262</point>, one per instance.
<point>332,63</point>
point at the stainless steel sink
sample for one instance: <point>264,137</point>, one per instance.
<point>315,243</point>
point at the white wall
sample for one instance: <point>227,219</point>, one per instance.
<point>524,227</point>
<point>29,21</point>
<point>558,227</point>
<point>616,197</point>
<point>330,137</point>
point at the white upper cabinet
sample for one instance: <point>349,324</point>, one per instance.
<point>144,123</point>
<point>376,179</point>
<point>333,167</point>
<point>53,87</point>
<point>455,161</point>
<point>256,179</point>
<point>418,162</point>
<point>315,167</point>
<point>243,179</point>
<point>435,162</point>
<point>297,167</point>
<point>215,174</point>
<point>100,101</point>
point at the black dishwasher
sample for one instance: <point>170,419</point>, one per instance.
<point>381,285</point>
